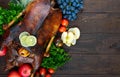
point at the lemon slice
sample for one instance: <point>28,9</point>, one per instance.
<point>30,40</point>
<point>23,34</point>
<point>23,41</point>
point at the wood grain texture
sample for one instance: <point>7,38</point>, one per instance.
<point>98,22</point>
<point>96,44</point>
<point>93,55</point>
<point>102,6</point>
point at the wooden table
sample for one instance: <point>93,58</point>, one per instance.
<point>93,55</point>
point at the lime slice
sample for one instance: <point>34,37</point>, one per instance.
<point>23,41</point>
<point>31,40</point>
<point>23,34</point>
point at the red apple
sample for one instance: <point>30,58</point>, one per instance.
<point>14,74</point>
<point>25,70</point>
<point>3,51</point>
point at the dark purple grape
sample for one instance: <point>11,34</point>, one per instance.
<point>70,8</point>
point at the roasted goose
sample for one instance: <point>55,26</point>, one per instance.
<point>40,20</point>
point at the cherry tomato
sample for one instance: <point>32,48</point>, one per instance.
<point>51,71</point>
<point>42,71</point>
<point>62,29</point>
<point>48,75</point>
<point>14,74</point>
<point>65,22</point>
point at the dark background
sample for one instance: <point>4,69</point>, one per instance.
<point>93,55</point>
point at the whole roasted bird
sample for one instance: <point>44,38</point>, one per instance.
<point>40,20</point>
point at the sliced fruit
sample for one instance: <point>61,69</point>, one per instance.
<point>23,41</point>
<point>23,34</point>
<point>31,40</point>
<point>75,31</point>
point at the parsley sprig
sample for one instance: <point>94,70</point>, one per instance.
<point>58,57</point>
<point>7,15</point>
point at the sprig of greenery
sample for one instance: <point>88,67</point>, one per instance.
<point>22,3</point>
<point>7,15</point>
<point>58,57</point>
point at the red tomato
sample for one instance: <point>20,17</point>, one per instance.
<point>14,74</point>
<point>62,29</point>
<point>51,71</point>
<point>42,71</point>
<point>48,75</point>
<point>65,22</point>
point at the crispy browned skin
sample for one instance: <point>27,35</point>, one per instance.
<point>49,27</point>
<point>35,14</point>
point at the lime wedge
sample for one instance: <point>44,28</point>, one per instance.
<point>30,40</point>
<point>23,41</point>
<point>23,34</point>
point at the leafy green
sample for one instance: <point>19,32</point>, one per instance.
<point>58,57</point>
<point>7,15</point>
<point>22,3</point>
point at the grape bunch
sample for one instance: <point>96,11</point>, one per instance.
<point>70,8</point>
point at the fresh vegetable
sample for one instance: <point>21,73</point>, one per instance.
<point>43,71</point>
<point>65,22</point>
<point>62,29</point>
<point>58,57</point>
<point>51,70</point>
<point>48,75</point>
<point>14,74</point>
<point>58,42</point>
<point>7,15</point>
<point>75,31</point>
<point>69,38</point>
<point>22,3</point>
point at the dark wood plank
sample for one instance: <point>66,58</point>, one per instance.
<point>91,65</point>
<point>96,44</point>
<point>86,75</point>
<point>101,5</point>
<point>78,76</point>
<point>98,22</point>
<point>88,65</point>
